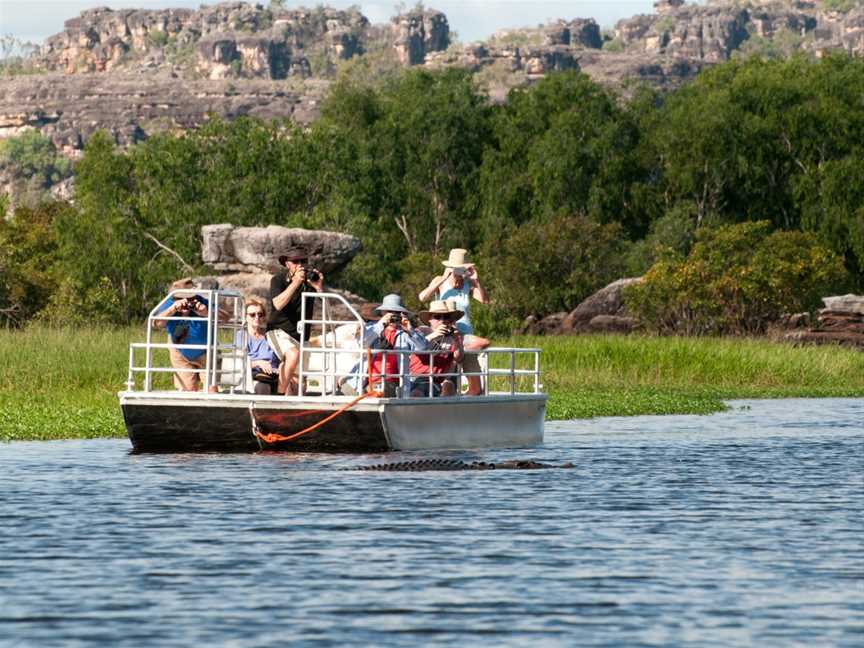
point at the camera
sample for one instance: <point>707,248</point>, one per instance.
<point>395,318</point>
<point>313,275</point>
<point>449,329</point>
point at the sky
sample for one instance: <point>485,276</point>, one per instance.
<point>33,20</point>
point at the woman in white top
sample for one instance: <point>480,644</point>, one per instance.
<point>459,283</point>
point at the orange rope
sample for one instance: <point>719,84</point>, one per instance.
<point>275,437</point>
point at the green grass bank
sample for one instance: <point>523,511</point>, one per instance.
<point>60,384</point>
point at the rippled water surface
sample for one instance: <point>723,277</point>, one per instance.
<point>742,528</point>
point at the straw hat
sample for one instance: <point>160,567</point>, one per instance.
<point>458,259</point>
<point>392,303</point>
<point>437,307</point>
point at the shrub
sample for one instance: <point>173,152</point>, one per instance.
<point>737,279</point>
<point>550,266</point>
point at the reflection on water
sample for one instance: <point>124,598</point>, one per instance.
<point>743,528</point>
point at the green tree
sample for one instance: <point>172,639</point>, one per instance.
<point>550,265</point>
<point>28,258</point>
<point>564,145</point>
<point>737,279</point>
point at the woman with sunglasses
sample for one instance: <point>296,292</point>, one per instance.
<point>262,358</point>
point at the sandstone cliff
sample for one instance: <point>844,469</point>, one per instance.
<point>135,72</point>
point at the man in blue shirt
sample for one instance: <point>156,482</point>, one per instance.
<point>190,327</point>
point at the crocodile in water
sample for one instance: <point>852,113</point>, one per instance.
<point>455,464</point>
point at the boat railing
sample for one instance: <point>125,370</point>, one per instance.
<point>326,364</point>
<point>225,359</point>
<point>329,359</point>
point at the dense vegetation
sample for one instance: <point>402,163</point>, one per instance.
<point>75,397</point>
<point>559,190</point>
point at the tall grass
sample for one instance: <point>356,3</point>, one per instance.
<point>63,383</point>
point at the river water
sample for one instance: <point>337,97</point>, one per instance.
<point>741,528</point>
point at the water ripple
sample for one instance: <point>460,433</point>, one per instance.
<point>743,528</point>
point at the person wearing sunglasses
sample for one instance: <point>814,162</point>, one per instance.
<point>286,289</point>
<point>262,359</point>
<point>441,335</point>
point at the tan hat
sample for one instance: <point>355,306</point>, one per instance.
<point>458,259</point>
<point>185,288</point>
<point>437,307</point>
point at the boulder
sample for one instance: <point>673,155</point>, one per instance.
<point>549,325</point>
<point>840,322</point>
<point>256,249</point>
<point>605,302</point>
<point>845,304</point>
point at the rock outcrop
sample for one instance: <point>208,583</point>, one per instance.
<point>68,109</point>
<point>840,322</point>
<point>419,33</point>
<point>245,258</point>
<point>227,248</point>
<point>602,312</point>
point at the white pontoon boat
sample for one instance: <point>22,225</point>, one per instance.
<point>508,414</point>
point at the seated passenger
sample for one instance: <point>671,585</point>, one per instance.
<point>190,327</point>
<point>394,330</point>
<point>441,335</point>
<point>262,358</point>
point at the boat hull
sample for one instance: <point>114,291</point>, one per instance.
<point>177,422</point>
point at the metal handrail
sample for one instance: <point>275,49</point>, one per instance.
<point>212,373</point>
<point>329,373</point>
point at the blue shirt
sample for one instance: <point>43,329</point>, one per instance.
<point>462,298</point>
<point>191,330</point>
<point>258,349</point>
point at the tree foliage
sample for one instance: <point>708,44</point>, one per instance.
<point>562,188</point>
<point>737,279</point>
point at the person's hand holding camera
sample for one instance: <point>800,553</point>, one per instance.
<point>299,276</point>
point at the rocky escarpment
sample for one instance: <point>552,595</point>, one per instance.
<point>236,40</point>
<point>713,32</point>
<point>69,108</point>
<point>135,72</point>
<point>232,39</point>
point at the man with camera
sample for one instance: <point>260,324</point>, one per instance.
<point>286,289</point>
<point>394,330</point>
<point>188,326</point>
<point>441,335</point>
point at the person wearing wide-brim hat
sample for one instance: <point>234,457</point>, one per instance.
<point>460,282</point>
<point>286,289</point>
<point>393,330</point>
<point>441,335</point>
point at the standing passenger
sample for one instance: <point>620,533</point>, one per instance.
<point>286,288</point>
<point>459,283</point>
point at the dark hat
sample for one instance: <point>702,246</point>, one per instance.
<point>293,254</point>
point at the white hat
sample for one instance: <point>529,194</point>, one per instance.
<point>458,259</point>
